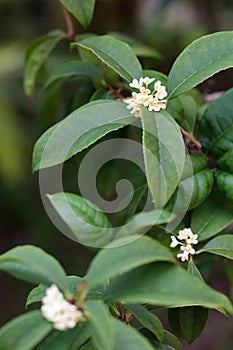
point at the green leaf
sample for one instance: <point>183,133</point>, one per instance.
<point>155,74</point>
<point>174,320</point>
<point>78,131</point>
<point>101,325</point>
<point>165,285</point>
<point>221,245</point>
<point>171,340</point>
<point>225,163</point>
<point>142,222</point>
<point>24,332</point>
<point>194,188</point>
<point>147,319</point>
<point>193,270</point>
<point>115,53</point>
<point>200,60</point>
<point>224,183</point>
<point>71,339</point>
<point>216,126</point>
<point>37,293</point>
<point>32,264</point>
<point>88,224</point>
<point>140,49</point>
<point>212,216</point>
<point>188,322</point>
<point>171,343</point>
<point>88,346</point>
<point>72,69</point>
<point>193,165</point>
<point>110,76</point>
<point>184,110</point>
<point>164,155</point>
<point>36,55</point>
<point>192,321</point>
<point>127,338</point>
<point>123,255</point>
<point>82,10</point>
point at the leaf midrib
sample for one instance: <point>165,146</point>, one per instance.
<point>200,71</point>
<point>97,52</point>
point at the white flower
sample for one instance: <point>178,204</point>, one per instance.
<point>59,311</point>
<point>153,100</point>
<point>148,80</point>
<point>155,105</point>
<point>137,84</point>
<point>187,250</point>
<point>174,242</point>
<point>160,89</point>
<point>184,234</point>
<point>192,239</point>
<point>187,247</point>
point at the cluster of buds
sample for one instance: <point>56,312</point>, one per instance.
<point>187,247</point>
<point>59,311</point>
<point>153,100</point>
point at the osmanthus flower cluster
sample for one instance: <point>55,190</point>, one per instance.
<point>153,100</point>
<point>186,247</point>
<point>59,311</point>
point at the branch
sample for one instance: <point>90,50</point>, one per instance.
<point>69,23</point>
<point>191,138</point>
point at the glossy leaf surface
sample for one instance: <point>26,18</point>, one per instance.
<point>127,338</point>
<point>32,264</point>
<point>216,126</point>
<point>211,216</point>
<point>24,332</point>
<point>142,222</point>
<point>37,293</point>
<point>71,339</point>
<point>71,69</point>
<point>225,163</point>
<point>155,283</point>
<point>147,319</point>
<point>116,54</point>
<point>195,187</point>
<point>79,130</point>
<point>221,245</point>
<point>200,60</point>
<point>164,155</point>
<point>101,324</point>
<point>88,224</point>
<point>35,57</point>
<point>123,255</point>
<point>191,321</point>
<point>82,10</point>
<point>224,183</point>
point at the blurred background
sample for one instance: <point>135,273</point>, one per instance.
<point>166,25</point>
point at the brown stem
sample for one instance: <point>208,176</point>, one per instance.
<point>69,23</point>
<point>191,138</point>
<point>120,308</point>
<point>114,92</point>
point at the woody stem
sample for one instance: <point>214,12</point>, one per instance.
<point>191,138</point>
<point>69,23</point>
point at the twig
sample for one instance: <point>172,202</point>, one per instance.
<point>69,23</point>
<point>121,312</point>
<point>114,92</point>
<point>191,138</point>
